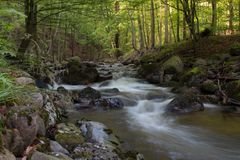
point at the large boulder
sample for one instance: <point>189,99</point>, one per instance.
<point>79,73</point>
<point>13,141</point>
<point>186,102</point>
<point>27,121</point>
<point>173,65</point>
<point>194,76</point>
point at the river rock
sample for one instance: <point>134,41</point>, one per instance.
<point>54,156</point>
<point>6,155</point>
<point>24,81</point>
<point>79,73</point>
<point>56,147</point>
<point>94,152</point>
<point>13,141</point>
<point>69,136</point>
<point>184,103</point>
<point>89,93</point>
<point>98,133</point>
<point>108,103</point>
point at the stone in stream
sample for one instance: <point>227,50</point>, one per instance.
<point>89,98</point>
<point>79,73</point>
<point>6,155</point>
<point>184,103</point>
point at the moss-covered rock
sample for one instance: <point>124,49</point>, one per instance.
<point>173,65</point>
<point>209,86</point>
<point>79,73</point>
<point>194,77</point>
<point>235,49</point>
<point>69,136</point>
<point>233,89</point>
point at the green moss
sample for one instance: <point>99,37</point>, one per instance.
<point>85,155</point>
<point>173,65</point>
<point>195,73</point>
<point>69,140</point>
<point>233,89</point>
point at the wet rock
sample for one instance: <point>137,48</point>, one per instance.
<point>108,103</point>
<point>186,102</point>
<point>56,147</point>
<point>6,155</point>
<point>24,81</point>
<point>62,90</point>
<point>79,73</point>
<point>69,136</point>
<point>96,132</point>
<point>89,93</point>
<point>110,91</point>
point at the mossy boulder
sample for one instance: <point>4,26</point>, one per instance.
<point>209,86</point>
<point>69,136</point>
<point>194,76</point>
<point>79,73</point>
<point>173,65</point>
<point>233,89</point>
<point>186,102</point>
<point>235,49</point>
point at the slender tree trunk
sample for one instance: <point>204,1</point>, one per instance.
<point>178,21</point>
<point>117,35</point>
<point>214,16</point>
<point>144,28</point>
<point>141,39</point>
<point>184,29</point>
<point>231,15</point>
<point>152,25</point>
<point>166,22</point>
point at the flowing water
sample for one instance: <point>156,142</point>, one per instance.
<point>144,126</point>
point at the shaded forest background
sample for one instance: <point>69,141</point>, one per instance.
<point>53,30</point>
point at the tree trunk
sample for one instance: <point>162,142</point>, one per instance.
<point>214,16</point>
<point>231,15</point>
<point>141,39</point>
<point>166,22</point>
<point>117,35</point>
<point>178,21</point>
<point>184,29</point>
<point>30,10</point>
<point>152,25</point>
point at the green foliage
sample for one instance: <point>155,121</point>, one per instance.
<point>9,92</point>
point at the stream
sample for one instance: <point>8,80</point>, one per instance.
<point>144,126</point>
